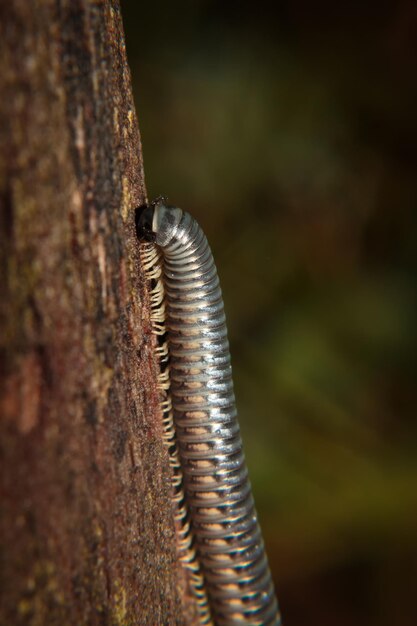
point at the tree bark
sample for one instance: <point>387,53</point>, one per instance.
<point>87,529</point>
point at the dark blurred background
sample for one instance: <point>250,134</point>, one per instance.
<point>291,135</point>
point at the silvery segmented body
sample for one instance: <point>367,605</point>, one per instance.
<point>217,488</point>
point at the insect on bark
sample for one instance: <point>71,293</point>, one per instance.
<point>210,477</point>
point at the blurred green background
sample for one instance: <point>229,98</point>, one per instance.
<point>290,133</point>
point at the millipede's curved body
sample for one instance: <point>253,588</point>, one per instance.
<point>216,485</point>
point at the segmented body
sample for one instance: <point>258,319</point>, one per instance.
<point>152,264</point>
<point>216,485</point>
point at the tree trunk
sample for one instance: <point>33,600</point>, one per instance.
<point>86,524</point>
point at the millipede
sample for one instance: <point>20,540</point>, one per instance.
<point>220,541</point>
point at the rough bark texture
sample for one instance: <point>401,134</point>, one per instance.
<point>86,525</point>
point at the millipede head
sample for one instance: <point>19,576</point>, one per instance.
<point>144,218</point>
<point>157,222</point>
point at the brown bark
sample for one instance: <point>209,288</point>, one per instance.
<point>86,525</point>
